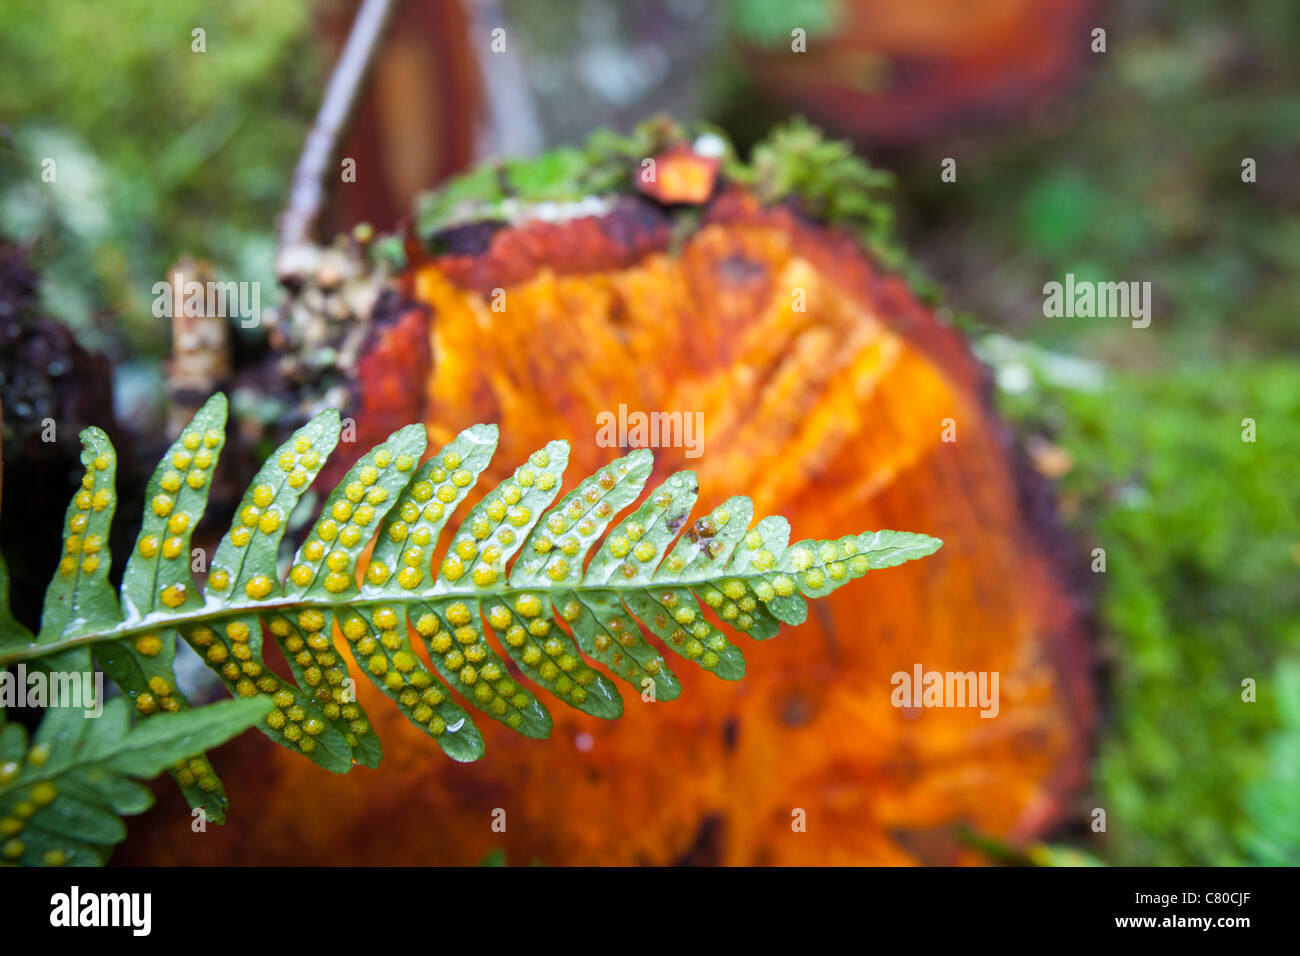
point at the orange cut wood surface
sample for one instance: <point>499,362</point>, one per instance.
<point>834,416</point>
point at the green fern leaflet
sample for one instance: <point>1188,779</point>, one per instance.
<point>62,797</point>
<point>518,581</point>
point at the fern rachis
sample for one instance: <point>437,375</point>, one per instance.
<point>516,570</point>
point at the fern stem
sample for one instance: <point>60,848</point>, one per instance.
<point>206,615</point>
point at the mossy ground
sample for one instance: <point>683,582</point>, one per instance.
<point>1202,538</point>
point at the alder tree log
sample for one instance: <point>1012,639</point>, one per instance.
<point>414,121</point>
<point>834,416</point>
<point>905,71</point>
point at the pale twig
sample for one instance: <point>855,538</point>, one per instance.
<point>345,83</point>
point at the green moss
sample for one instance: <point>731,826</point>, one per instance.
<point>1272,803</point>
<point>796,162</point>
<point>1202,537</point>
<point>830,181</point>
<point>605,165</point>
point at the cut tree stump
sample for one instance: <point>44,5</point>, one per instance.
<point>834,416</point>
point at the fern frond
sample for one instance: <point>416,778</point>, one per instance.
<point>515,581</point>
<point>61,799</point>
<point>157,577</point>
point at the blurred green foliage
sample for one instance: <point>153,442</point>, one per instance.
<point>769,22</point>
<point>1136,174</point>
<point>159,150</point>
<point>1201,531</point>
